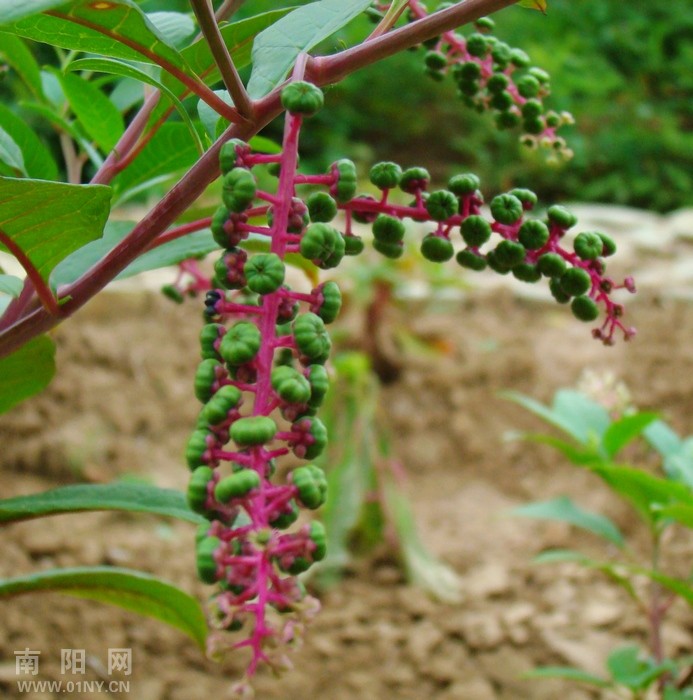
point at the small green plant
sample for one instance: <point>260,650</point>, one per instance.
<point>662,500</point>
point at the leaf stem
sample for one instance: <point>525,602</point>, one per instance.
<point>222,57</point>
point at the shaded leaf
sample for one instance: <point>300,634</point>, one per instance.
<point>26,371</point>
<point>210,118</point>
<point>15,53</point>
<point>176,27</point>
<point>13,10</point>
<point>276,48</point>
<point>131,590</point>
<point>662,438</point>
<point>10,285</point>
<point>564,510</point>
<point>90,497</point>
<point>622,431</point>
<point>11,154</point>
<point>50,220</point>
<point>38,160</point>
<point>567,673</point>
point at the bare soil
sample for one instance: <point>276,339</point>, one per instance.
<point>122,404</point>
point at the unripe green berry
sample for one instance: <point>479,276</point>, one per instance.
<point>509,254</point>
<point>319,537</point>
<point>414,179</point>
<point>533,125</point>
<point>475,230</point>
<point>205,377</point>
<point>471,260</point>
<point>584,308</point>
<point>197,489</point>
<point>344,188</point>
<point>301,97</point>
<point>526,273</point>
<point>561,217</point>
<point>353,245</point>
<point>441,205</point>
<point>228,154</point>
<point>322,244</point>
<point>312,338</point>
<point>532,109</point>
<point>463,184</point>
<point>527,197</point>
<point>502,101</point>
<point>588,246</point>
<point>495,264</point>
<point>470,70</point>
<point>388,229</point>
<point>497,83</point>
<point>196,447</point>
<point>501,54</point>
<point>533,234</point>
<point>237,485</point>
<point>264,273</point>
<point>238,189</point>
<point>331,304</point>
<point>528,86</point>
<point>436,248</point>
<point>519,58</point>
<point>435,60</point>
<point>468,88</point>
<point>205,561</point>
<point>209,335</point>
<point>321,207</point>
<point>551,265</point>
<point>319,433</point>
<point>608,243</point>
<point>255,430</point>
<point>311,484</point>
<point>507,120</point>
<point>541,75</point>
<point>557,291</point>
<point>241,343</point>
<point>506,208</point>
<point>385,175</point>
<point>389,250</point>
<point>287,517</point>
<point>477,45</point>
<point>216,410</point>
<point>172,292</point>
<point>219,218</point>
<point>484,24</point>
<point>575,281</point>
<point>291,386</point>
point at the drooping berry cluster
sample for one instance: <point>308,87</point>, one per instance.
<point>491,75</point>
<point>264,347</point>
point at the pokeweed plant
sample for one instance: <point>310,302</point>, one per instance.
<point>264,346</point>
<point>662,499</point>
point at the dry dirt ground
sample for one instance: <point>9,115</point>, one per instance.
<point>122,404</point>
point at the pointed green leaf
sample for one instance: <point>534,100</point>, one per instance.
<point>38,160</point>
<point>10,287</point>
<point>629,669</point>
<point>564,510</point>
<point>50,220</point>
<point>26,371</point>
<point>11,154</point>
<point>95,112</point>
<point>622,431</point>
<point>13,10</point>
<point>131,590</point>
<point>115,28</point>
<point>177,27</point>
<point>576,455</point>
<point>662,438</point>
<point>567,673</point>
<point>14,52</point>
<point>89,497</point>
<point>587,419</point>
<point>211,120</point>
<point>276,48</point>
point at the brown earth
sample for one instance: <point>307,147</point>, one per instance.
<point>122,404</point>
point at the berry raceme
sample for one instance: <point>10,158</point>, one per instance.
<point>262,379</point>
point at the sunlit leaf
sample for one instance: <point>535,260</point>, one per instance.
<point>624,430</point>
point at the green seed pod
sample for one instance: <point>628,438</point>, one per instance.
<point>557,291</point>
<point>506,208</point>
<point>329,308</point>
<point>441,205</point>
<point>319,538</point>
<point>475,230</point>
<point>237,485</point>
<point>385,175</point>
<point>551,265</point>
<point>345,187</point>
<point>173,293</point>
<point>217,408</point>
<point>319,384</point>
<point>291,386</point>
<point>229,152</point>
<point>528,86</point>
<point>301,97</point>
<point>510,254</point>
<point>197,489</point>
<point>584,308</point>
<point>205,378</point>
<point>527,197</point>
<point>311,484</point>
<point>561,217</point>
<point>608,243</point>
<point>321,207</point>
<point>287,517</point>
<point>588,246</point>
<point>436,248</point>
<point>575,281</point>
<point>463,184</point>
<point>497,83</point>
<point>389,250</point>
<point>264,273</point>
<point>241,343</point>
<point>533,234</point>
<point>477,45</point>
<point>238,189</point>
<point>206,563</point>
<point>353,245</point>
<point>322,244</point>
<point>312,338</point>
<point>414,179</point>
<point>526,273</point>
<point>519,58</point>
<point>501,54</point>
<point>532,109</point>
<point>471,260</point>
<point>319,433</point>
<point>209,335</point>
<point>255,430</point>
<point>196,448</point>
<point>388,229</point>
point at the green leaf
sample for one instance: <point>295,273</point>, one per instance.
<point>177,27</point>
<point>680,512</point>
<point>564,510</point>
<point>38,160</point>
<point>50,220</point>
<point>11,285</point>
<point>131,590</point>
<point>567,673</point>
<point>11,154</point>
<point>684,589</point>
<point>167,153</point>
<point>90,497</point>
<point>628,669</point>
<point>662,438</point>
<point>540,5</point>
<point>115,28</point>
<point>95,112</point>
<point>576,455</point>
<point>587,419</point>
<point>675,694</point>
<point>209,117</point>
<point>12,10</point>
<point>127,70</point>
<point>622,431</point>
<point>26,371</point>
<point>276,48</point>
<point>15,53</point>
